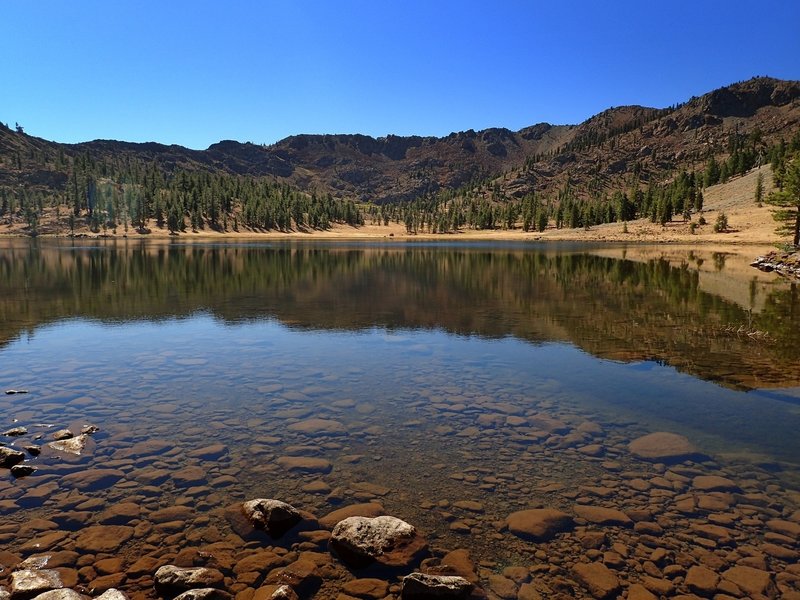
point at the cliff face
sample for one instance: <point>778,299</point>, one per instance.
<point>602,151</point>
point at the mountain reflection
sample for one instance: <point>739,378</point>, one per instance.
<point>613,308</point>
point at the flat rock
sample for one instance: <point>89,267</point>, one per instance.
<point>601,515</point>
<point>714,483</point>
<point>93,479</point>
<point>388,541</point>
<point>787,528</point>
<point>662,446</point>
<point>31,582</point>
<point>172,513</point>
<point>701,580</point>
<point>598,579</point>
<point>750,580</point>
<point>469,505</point>
<point>539,524</point>
<point>420,586</point>
<point>305,464</point>
<point>638,592</point>
<point>370,509</point>
<point>103,538</point>
<point>187,476</point>
<point>318,427</point>
<point>273,516</point>
<point>210,452</point>
<point>366,588</point>
<point>119,514</point>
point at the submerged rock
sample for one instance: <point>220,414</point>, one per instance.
<point>662,446</point>
<point>539,524</point>
<point>598,579</point>
<point>419,586</point>
<point>370,509</point>
<point>273,516</point>
<point>389,541</point>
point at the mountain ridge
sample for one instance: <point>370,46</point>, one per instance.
<point>601,153</point>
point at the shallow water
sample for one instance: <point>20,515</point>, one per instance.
<point>440,371</point>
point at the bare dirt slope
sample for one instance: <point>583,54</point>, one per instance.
<point>748,223</point>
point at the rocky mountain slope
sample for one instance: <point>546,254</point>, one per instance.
<point>599,154</point>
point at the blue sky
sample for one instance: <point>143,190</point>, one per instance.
<point>192,73</point>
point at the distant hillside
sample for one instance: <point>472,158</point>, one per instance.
<point>601,155</point>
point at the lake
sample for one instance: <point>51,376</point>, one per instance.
<point>453,384</point>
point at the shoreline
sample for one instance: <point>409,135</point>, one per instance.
<point>597,235</point>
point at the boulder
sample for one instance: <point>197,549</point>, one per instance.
<point>22,470</point>
<point>170,579</point>
<point>273,516</point>
<point>388,541</point>
<point>539,524</point>
<point>419,586</point>
<point>15,432</point>
<point>10,457</point>
<point>662,446</point>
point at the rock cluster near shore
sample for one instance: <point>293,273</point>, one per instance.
<point>785,263</point>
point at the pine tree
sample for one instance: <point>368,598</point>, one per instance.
<point>787,199</point>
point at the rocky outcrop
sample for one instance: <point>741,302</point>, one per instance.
<point>783,263</point>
